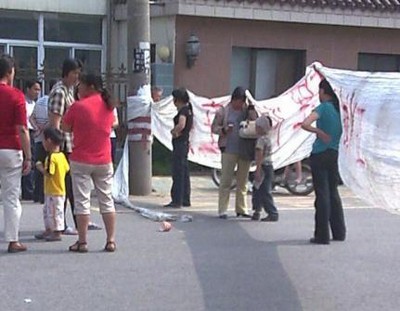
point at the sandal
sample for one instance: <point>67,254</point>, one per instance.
<point>110,247</point>
<point>79,247</point>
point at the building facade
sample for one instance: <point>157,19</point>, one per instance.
<point>265,45</point>
<point>262,45</point>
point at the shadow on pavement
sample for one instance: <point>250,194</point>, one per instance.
<point>236,271</point>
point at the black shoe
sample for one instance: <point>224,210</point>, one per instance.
<point>172,205</point>
<point>318,241</point>
<point>338,239</point>
<point>256,216</point>
<point>271,218</point>
<point>186,205</point>
<point>223,216</point>
<point>243,215</point>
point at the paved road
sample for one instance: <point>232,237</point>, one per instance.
<point>210,264</point>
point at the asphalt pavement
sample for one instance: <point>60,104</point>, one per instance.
<point>209,264</point>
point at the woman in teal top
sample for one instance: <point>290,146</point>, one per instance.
<point>324,166</point>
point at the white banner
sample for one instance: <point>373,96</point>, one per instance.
<point>290,142</point>
<point>369,154</point>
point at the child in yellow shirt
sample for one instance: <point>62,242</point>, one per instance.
<point>54,169</point>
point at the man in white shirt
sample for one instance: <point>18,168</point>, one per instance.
<point>32,91</point>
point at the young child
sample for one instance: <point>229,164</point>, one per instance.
<point>262,190</point>
<point>54,169</point>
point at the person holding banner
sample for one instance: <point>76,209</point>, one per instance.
<point>183,122</point>
<point>236,152</point>
<point>324,166</point>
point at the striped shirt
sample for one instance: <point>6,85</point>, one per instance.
<point>61,99</point>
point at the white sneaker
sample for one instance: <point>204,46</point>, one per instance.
<point>70,231</point>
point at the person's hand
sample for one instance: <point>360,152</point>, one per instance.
<point>229,128</point>
<point>26,166</point>
<point>326,138</point>
<point>174,134</point>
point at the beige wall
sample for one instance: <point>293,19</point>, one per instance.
<point>335,46</point>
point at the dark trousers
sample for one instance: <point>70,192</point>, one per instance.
<point>38,192</point>
<point>180,191</point>
<point>262,197</point>
<point>27,184</point>
<point>113,148</point>
<point>328,205</point>
<point>69,196</point>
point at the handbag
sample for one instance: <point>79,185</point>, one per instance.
<point>247,129</point>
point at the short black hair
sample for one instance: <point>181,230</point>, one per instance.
<point>181,94</point>
<point>69,65</point>
<point>55,135</point>
<point>30,83</point>
<point>7,63</point>
<point>239,93</point>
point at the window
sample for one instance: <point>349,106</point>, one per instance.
<point>266,72</point>
<point>25,58</point>
<point>25,64</point>
<point>2,49</point>
<point>91,60</point>
<point>73,28</point>
<point>53,59</point>
<point>18,25</point>
<point>378,62</point>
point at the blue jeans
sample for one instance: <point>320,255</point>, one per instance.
<point>262,197</point>
<point>180,191</point>
<point>328,205</point>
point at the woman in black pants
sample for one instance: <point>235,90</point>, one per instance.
<point>183,121</point>
<point>324,166</point>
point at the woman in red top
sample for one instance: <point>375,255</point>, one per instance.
<point>14,136</point>
<point>91,120</point>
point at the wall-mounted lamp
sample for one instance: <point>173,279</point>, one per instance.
<point>192,50</point>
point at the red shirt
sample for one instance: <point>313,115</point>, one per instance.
<point>12,113</point>
<point>91,123</point>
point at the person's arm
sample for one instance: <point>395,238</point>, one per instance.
<point>251,113</point>
<point>259,156</point>
<point>56,109</point>
<point>217,125</point>
<point>307,126</point>
<point>176,131</point>
<point>40,167</point>
<point>26,148</point>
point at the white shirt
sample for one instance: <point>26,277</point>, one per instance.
<point>113,135</point>
<point>29,104</point>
